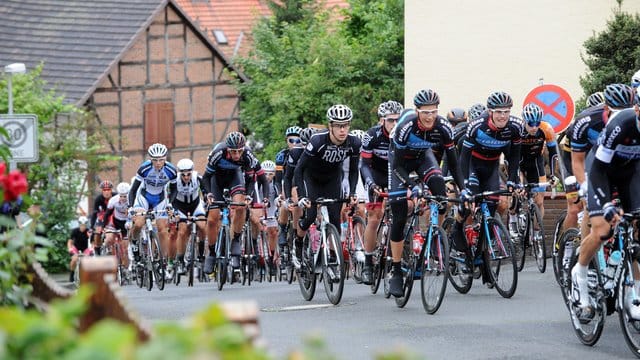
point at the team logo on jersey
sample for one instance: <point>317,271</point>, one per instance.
<point>485,139</point>
<point>334,155</point>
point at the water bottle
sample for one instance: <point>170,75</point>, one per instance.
<point>418,240</point>
<point>344,228</point>
<point>314,236</point>
<point>568,253</point>
<point>522,222</point>
<point>614,260</point>
<point>571,188</point>
<point>471,235</point>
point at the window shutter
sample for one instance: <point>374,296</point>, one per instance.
<point>159,124</point>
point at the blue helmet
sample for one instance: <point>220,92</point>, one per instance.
<point>532,114</point>
<point>499,99</point>
<point>426,97</point>
<point>619,96</point>
<point>293,131</point>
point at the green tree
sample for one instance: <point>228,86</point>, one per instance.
<point>612,55</point>
<point>303,63</point>
<point>69,141</point>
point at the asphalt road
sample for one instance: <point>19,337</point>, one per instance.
<point>534,324</point>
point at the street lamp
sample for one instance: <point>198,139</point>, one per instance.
<point>15,68</point>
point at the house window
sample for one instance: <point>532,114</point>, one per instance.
<point>221,38</point>
<point>159,124</point>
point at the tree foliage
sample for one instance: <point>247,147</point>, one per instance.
<point>307,58</point>
<point>66,154</point>
<point>612,55</point>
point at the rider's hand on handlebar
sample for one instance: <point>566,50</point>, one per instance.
<point>353,199</point>
<point>304,202</point>
<point>266,202</point>
<point>210,198</point>
<point>611,213</point>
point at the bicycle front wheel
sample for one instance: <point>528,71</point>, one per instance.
<point>519,242</point>
<point>378,258</point>
<point>434,271</point>
<point>409,266</point>
<point>459,280</point>
<point>536,235</point>
<point>334,267</point>
<point>499,258</point>
<point>589,330</point>
<point>191,253</point>
<point>555,251</point>
<point>159,265</point>
<point>630,326</point>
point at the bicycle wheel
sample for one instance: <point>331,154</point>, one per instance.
<point>357,244</point>
<point>378,258</point>
<point>334,268</point>
<point>139,270</point>
<point>221,254</point>
<point>159,265</point>
<point>498,257</point>
<point>536,235</point>
<point>630,326</point>
<point>386,272</point>
<point>409,266</point>
<point>434,271</point>
<point>564,274</point>
<point>191,254</point>
<point>519,242</point>
<point>556,258</point>
<point>459,280</point>
<point>589,330</point>
<point>306,274</point>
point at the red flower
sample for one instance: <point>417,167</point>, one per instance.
<point>13,184</point>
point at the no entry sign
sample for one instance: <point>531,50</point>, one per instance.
<point>556,103</point>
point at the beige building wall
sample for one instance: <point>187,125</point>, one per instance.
<point>465,49</point>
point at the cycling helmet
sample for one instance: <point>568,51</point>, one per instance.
<point>157,150</point>
<point>358,133</point>
<point>306,134</point>
<point>268,165</point>
<point>185,165</point>
<point>235,140</point>
<point>499,99</point>
<point>106,184</point>
<point>532,114</point>
<point>293,131</point>
<point>82,220</point>
<point>123,188</point>
<point>390,107</point>
<point>339,114</point>
<point>595,99</point>
<point>619,96</point>
<point>456,115</point>
<point>426,97</point>
<point>635,79</point>
<point>476,110</point>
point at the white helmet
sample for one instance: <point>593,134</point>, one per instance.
<point>157,150</point>
<point>268,165</point>
<point>123,188</point>
<point>635,79</point>
<point>185,165</point>
<point>82,220</point>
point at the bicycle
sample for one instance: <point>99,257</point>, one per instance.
<point>152,264</point>
<point>353,245</point>
<point>381,259</point>
<point>191,261</point>
<point>122,273</point>
<point>528,229</point>
<point>322,254</point>
<point>434,256</point>
<point>490,250</point>
<point>223,268</point>
<point>249,257</point>
<point>269,264</point>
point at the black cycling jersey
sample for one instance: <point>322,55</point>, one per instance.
<point>615,164</point>
<point>374,157</point>
<point>80,239</point>
<point>99,207</point>
<point>289,170</point>
<point>486,142</point>
<point>410,141</point>
<point>533,146</point>
<point>281,162</point>
<point>222,172</point>
<point>586,129</point>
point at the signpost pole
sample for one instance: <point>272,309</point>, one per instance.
<point>12,164</point>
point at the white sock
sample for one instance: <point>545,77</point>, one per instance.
<point>581,270</point>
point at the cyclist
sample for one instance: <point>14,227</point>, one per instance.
<point>116,217</point>
<point>417,141</point>
<point>537,134</point>
<point>97,216</point>
<point>290,194</point>
<point>319,170</point>
<point>271,225</point>
<point>229,164</point>
<point>151,178</point>
<point>188,202</point>
<point>360,191</point>
<point>614,163</point>
<point>494,133</point>
<point>374,170</point>
<point>292,135</point>
<point>79,243</point>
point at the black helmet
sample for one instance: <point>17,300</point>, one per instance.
<point>499,99</point>
<point>476,110</point>
<point>426,97</point>
<point>235,140</point>
<point>306,134</point>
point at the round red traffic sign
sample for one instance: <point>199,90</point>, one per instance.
<point>556,103</point>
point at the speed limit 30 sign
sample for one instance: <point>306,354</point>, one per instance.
<point>22,136</point>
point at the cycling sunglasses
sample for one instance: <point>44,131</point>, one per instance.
<point>533,123</point>
<point>294,140</point>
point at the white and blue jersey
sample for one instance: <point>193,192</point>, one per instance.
<point>152,183</point>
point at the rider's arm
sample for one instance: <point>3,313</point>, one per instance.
<point>288,179</point>
<point>173,191</point>
<point>353,172</point>
<point>280,162</point>
<point>514,162</point>
<point>577,165</point>
<point>298,175</point>
<point>264,184</point>
<point>452,161</point>
<point>133,191</point>
<point>552,145</point>
<point>465,159</point>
